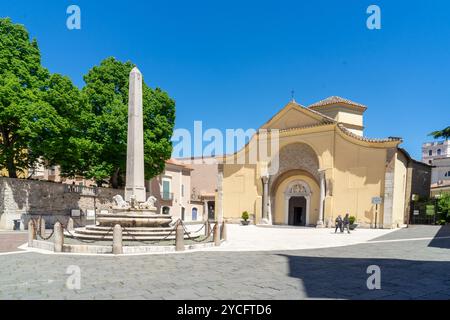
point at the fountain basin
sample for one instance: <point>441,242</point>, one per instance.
<point>133,219</point>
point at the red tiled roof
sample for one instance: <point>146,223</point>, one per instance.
<point>177,163</point>
<point>337,100</point>
<point>351,134</point>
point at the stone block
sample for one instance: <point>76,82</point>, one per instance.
<point>58,237</point>
<point>117,240</point>
<point>31,233</point>
<point>179,239</point>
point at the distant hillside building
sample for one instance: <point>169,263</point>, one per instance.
<point>441,170</point>
<point>437,154</point>
<point>435,150</point>
<point>440,178</point>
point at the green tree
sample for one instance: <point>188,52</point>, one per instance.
<point>443,206</point>
<point>105,124</point>
<point>444,133</point>
<point>37,109</point>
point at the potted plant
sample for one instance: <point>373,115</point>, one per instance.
<point>353,225</point>
<point>245,216</point>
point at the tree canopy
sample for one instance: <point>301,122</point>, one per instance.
<point>444,133</point>
<point>105,124</point>
<point>443,206</point>
<point>45,119</point>
<point>36,108</point>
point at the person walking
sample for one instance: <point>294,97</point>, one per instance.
<point>338,223</point>
<point>346,223</point>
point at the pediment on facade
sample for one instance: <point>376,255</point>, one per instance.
<point>294,115</point>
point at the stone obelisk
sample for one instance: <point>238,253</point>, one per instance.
<point>135,144</point>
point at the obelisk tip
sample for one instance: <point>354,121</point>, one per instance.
<point>135,70</point>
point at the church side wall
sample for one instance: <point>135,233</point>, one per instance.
<point>240,192</point>
<point>358,177</point>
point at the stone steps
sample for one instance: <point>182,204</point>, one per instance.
<point>75,235</point>
<point>126,232</point>
<point>140,229</point>
<point>132,234</point>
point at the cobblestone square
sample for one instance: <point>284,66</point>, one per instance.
<point>414,264</point>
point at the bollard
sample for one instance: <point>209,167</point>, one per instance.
<point>59,237</point>
<point>117,240</point>
<point>216,234</point>
<point>207,228</point>
<point>179,238</point>
<point>223,234</point>
<point>70,224</point>
<point>42,228</point>
<point>31,233</point>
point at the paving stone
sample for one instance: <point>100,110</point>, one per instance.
<point>408,270</point>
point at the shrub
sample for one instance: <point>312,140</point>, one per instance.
<point>352,219</point>
<point>443,207</point>
<point>245,216</point>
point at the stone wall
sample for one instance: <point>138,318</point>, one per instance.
<point>418,183</point>
<point>420,179</point>
<point>21,199</point>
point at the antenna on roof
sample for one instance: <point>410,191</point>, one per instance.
<point>293,95</point>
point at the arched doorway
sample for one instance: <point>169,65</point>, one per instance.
<point>211,207</point>
<point>297,211</point>
<point>297,162</point>
<point>297,203</point>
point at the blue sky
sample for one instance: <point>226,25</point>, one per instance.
<point>233,64</point>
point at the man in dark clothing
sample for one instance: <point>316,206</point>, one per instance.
<point>346,223</point>
<point>338,223</point>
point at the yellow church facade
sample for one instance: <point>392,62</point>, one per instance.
<point>326,168</point>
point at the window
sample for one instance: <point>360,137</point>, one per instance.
<point>430,162</point>
<point>430,152</point>
<point>166,195</point>
<point>194,214</point>
<point>447,174</point>
<point>166,186</point>
<point>182,213</point>
<point>439,151</point>
<point>165,210</point>
<point>182,190</point>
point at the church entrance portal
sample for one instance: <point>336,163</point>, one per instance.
<point>297,211</point>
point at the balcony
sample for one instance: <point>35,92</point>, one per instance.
<point>166,196</point>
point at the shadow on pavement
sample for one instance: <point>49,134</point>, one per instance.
<point>346,278</point>
<point>442,238</point>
